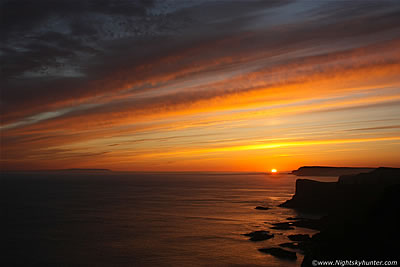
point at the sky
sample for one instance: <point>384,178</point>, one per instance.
<point>199,85</point>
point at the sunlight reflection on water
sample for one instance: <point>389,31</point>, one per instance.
<point>144,219</point>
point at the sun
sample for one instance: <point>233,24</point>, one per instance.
<point>274,171</point>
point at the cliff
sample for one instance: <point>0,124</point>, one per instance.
<point>312,196</point>
<point>352,193</point>
<point>374,236</point>
<point>328,171</point>
<point>380,176</point>
<point>361,221</point>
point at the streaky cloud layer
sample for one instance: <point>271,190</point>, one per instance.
<point>207,85</point>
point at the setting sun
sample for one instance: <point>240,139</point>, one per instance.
<point>163,117</point>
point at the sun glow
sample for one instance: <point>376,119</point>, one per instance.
<point>274,171</point>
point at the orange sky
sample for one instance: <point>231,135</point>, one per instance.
<point>263,96</point>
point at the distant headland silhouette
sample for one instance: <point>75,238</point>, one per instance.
<point>329,171</point>
<point>84,170</point>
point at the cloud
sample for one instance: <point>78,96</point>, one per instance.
<point>76,72</point>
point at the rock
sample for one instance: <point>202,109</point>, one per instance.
<point>301,246</point>
<point>256,232</point>
<point>292,245</point>
<point>294,218</point>
<point>259,235</point>
<point>282,226</point>
<point>308,223</point>
<point>261,208</point>
<point>279,253</point>
<point>299,237</point>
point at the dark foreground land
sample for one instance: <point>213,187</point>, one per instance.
<point>361,217</point>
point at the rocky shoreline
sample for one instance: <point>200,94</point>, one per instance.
<point>358,219</point>
<point>361,216</point>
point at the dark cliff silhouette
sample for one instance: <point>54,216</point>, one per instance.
<point>361,221</point>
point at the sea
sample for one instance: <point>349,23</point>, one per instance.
<point>90,218</point>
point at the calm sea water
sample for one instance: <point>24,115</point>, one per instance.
<point>142,219</point>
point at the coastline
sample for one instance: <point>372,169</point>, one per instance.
<point>359,221</point>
